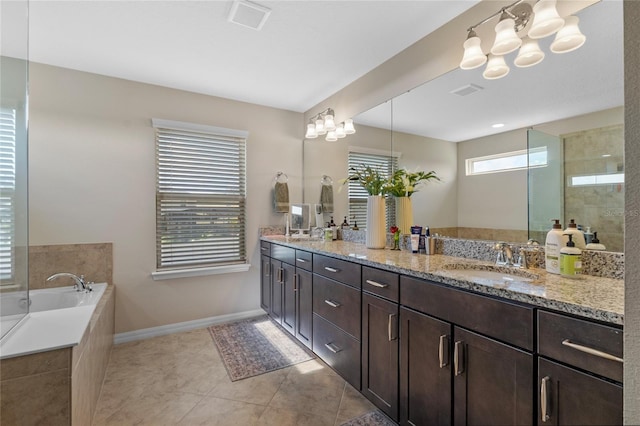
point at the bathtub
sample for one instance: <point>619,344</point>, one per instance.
<point>58,317</point>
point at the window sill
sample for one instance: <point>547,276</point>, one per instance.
<point>199,272</point>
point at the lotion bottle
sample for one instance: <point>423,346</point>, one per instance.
<point>595,243</point>
<point>578,236</point>
<point>570,259</point>
<point>554,242</point>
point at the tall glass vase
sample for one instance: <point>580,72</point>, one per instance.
<point>376,235</point>
<point>404,214</point>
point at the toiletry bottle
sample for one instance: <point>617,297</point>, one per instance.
<point>554,242</point>
<point>334,229</point>
<point>355,226</point>
<point>595,243</point>
<point>570,260</point>
<point>345,224</point>
<point>588,235</point>
<point>578,236</point>
<point>328,233</point>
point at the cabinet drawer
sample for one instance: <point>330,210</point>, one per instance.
<point>336,269</point>
<point>337,349</point>
<point>303,260</point>
<point>337,303</point>
<point>505,321</point>
<point>265,248</point>
<point>572,341</point>
<point>285,254</point>
<point>382,283</point>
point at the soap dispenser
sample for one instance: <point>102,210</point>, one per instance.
<point>554,242</point>
<point>588,235</point>
<point>570,259</point>
<point>595,243</point>
<point>578,236</point>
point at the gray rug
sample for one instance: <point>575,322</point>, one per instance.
<point>256,346</point>
<point>372,418</point>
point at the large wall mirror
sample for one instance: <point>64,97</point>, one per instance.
<point>576,99</point>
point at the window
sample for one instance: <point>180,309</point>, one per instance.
<point>596,179</point>
<point>386,164</point>
<point>200,196</point>
<point>7,193</point>
<point>507,161</point>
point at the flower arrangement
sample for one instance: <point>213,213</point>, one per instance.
<point>404,183</point>
<point>396,237</point>
<point>370,178</point>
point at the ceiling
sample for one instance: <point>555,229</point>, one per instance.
<point>306,51</point>
<point>563,85</point>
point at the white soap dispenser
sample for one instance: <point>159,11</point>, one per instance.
<point>554,242</point>
<point>595,243</point>
<point>578,236</point>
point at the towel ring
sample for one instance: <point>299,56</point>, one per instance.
<point>281,177</point>
<point>326,180</point>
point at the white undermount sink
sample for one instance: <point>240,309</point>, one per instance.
<point>490,273</point>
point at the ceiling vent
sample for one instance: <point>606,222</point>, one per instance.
<point>466,90</point>
<point>248,14</point>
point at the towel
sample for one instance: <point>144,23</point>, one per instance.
<point>326,198</point>
<point>281,197</point>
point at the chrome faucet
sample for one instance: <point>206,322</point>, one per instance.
<point>505,254</point>
<point>80,282</point>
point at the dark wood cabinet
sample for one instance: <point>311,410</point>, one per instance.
<point>492,382</point>
<point>380,353</point>
<point>570,397</point>
<point>304,306</point>
<point>265,282</point>
<point>425,369</point>
<point>286,290</point>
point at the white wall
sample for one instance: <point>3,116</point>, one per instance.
<point>92,179</point>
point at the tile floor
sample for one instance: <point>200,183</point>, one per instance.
<point>180,379</point>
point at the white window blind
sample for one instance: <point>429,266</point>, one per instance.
<point>200,196</point>
<point>7,193</point>
<point>385,164</point>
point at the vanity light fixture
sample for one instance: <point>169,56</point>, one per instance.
<point>324,123</point>
<point>514,19</point>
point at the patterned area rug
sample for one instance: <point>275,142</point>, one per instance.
<point>255,346</point>
<point>372,418</point>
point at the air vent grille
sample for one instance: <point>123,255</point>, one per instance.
<point>466,90</point>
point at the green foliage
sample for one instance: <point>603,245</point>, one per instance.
<point>370,178</point>
<point>403,183</point>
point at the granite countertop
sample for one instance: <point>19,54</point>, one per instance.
<point>590,297</point>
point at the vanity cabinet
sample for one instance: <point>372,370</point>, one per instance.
<point>463,358</point>
<point>336,315</point>
<point>286,289</point>
<point>380,339</point>
<point>579,371</point>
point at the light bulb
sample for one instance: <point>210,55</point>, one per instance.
<point>569,38</point>
<point>348,127</point>
<point>546,20</point>
<point>473,56</point>
<point>320,130</point>
<point>506,38</point>
<point>311,131</point>
<point>329,123</point>
<point>340,131</point>
<point>529,54</point>
<point>331,136</point>
<point>496,68</point>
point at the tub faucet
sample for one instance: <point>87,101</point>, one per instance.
<point>80,283</point>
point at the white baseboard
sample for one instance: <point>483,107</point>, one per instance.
<point>146,333</point>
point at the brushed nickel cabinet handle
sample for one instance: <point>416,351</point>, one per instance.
<point>377,284</point>
<point>458,358</point>
<point>264,249</point>
<point>295,282</point>
<point>333,348</point>
<point>281,275</point>
<point>267,269</point>
<point>332,303</point>
<point>391,327</point>
<point>591,351</point>
<point>301,260</point>
<point>444,344</point>
<point>544,398</point>
<point>330,269</point>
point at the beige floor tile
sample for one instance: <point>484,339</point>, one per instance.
<point>255,390</point>
<point>153,409</point>
<point>194,372</point>
<point>283,417</point>
<point>353,404</point>
<point>213,411</point>
<point>314,366</point>
<point>314,392</point>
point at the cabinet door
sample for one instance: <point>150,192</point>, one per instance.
<point>304,306</point>
<point>265,283</point>
<point>276,290</point>
<point>425,369</point>
<point>570,397</point>
<point>493,382</point>
<point>288,298</point>
<point>380,353</point>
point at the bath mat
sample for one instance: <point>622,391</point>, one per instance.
<point>256,346</point>
<point>372,418</point>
